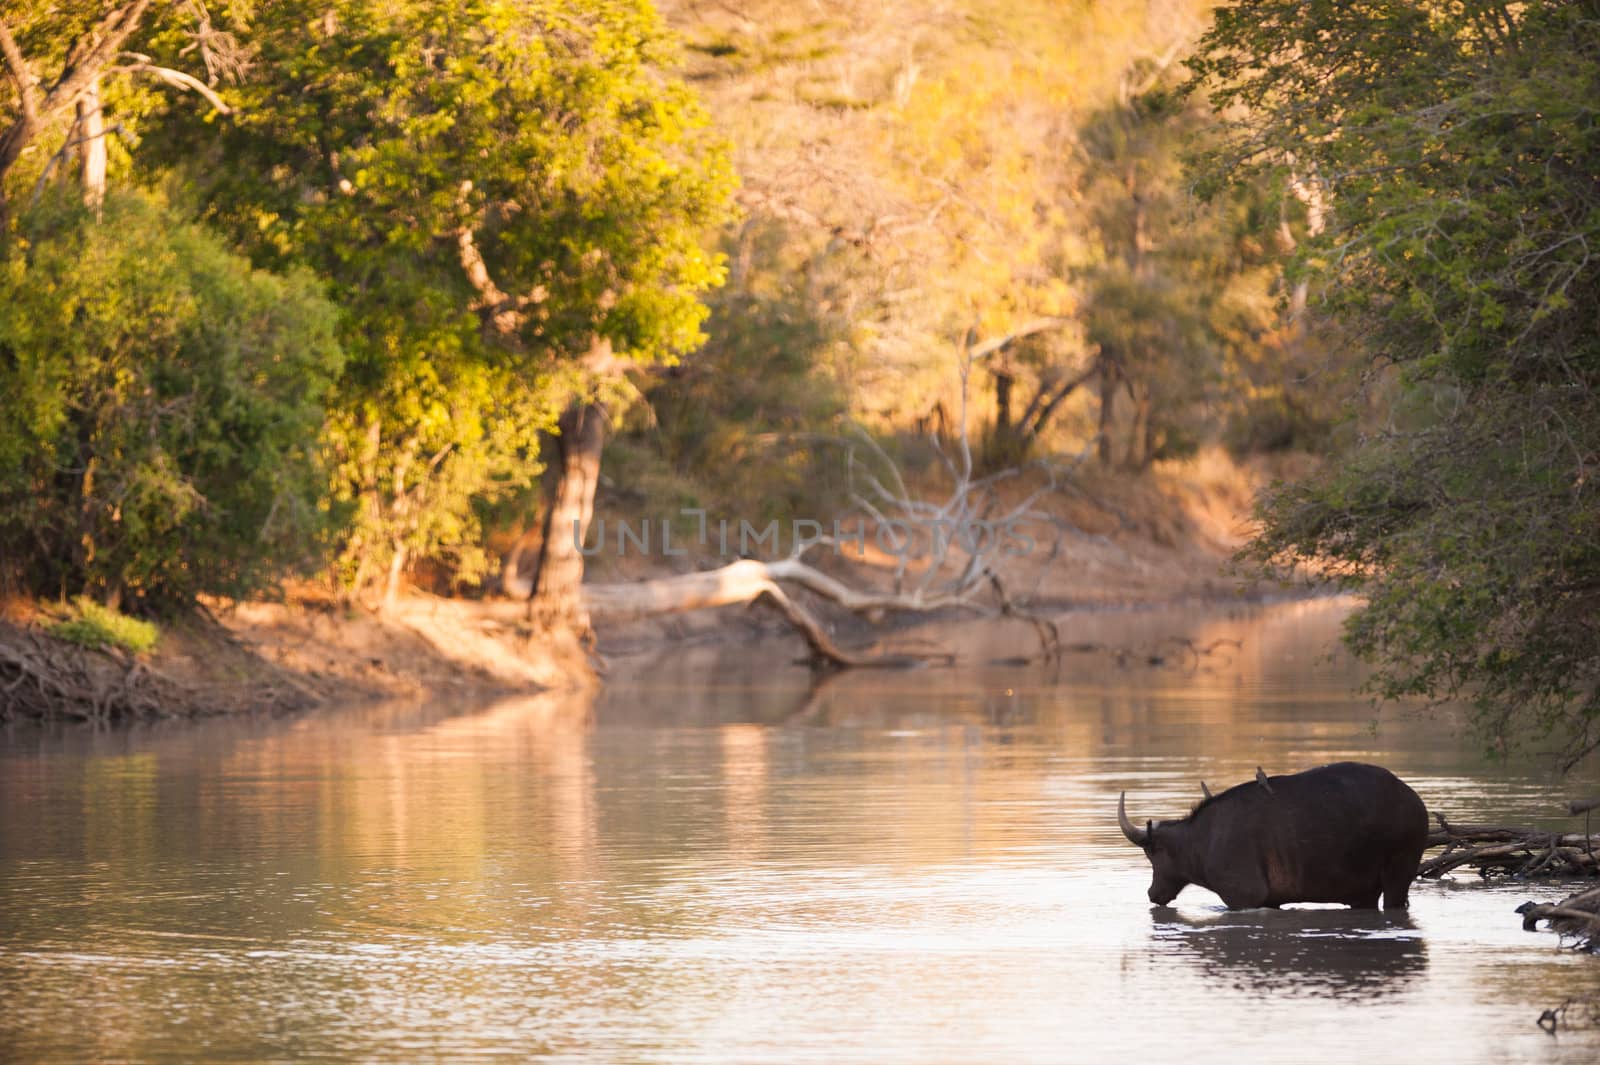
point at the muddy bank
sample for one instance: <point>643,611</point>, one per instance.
<point>198,668</point>
<point>279,657</point>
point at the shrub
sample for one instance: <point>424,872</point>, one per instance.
<point>163,408</point>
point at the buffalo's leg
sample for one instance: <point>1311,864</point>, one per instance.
<point>1397,877</point>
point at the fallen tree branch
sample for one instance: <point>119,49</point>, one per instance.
<point>1576,917</point>
<point>1575,1014</point>
<point>751,580</point>
<point>1501,850</point>
<point>946,551</point>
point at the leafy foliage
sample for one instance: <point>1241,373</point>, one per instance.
<point>741,427</point>
<point>491,188</point>
<point>1178,297</point>
<point>163,408</point>
<point>920,164</point>
<point>1457,147</point>
<point>115,60</point>
<point>933,169</point>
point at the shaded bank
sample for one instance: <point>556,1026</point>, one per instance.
<point>275,658</point>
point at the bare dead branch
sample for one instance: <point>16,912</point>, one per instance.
<point>998,345</point>
<point>142,64</point>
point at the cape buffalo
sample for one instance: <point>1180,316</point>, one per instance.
<point>1346,833</point>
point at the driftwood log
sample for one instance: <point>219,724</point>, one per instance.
<point>1576,915</point>
<point>750,581</point>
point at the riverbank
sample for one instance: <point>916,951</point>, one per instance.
<point>256,657</point>
<point>1161,538</point>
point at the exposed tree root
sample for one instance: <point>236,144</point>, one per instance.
<point>41,677</point>
<point>45,678</point>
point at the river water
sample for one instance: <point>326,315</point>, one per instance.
<point>718,860</point>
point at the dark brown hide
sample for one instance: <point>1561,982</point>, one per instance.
<point>1344,833</point>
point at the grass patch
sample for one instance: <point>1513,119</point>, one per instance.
<point>91,625</point>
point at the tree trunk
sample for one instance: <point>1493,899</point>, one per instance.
<point>1141,434</point>
<point>1108,397</point>
<point>91,136</point>
<point>1149,433</point>
<point>1043,406</point>
<point>557,600</point>
<point>1002,443</point>
<point>397,569</point>
<point>359,551</point>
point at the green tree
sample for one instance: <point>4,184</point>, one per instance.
<point>740,427</point>
<point>163,408</point>
<point>509,200</point>
<point>1178,289</point>
<point>1453,150</point>
<point>76,84</point>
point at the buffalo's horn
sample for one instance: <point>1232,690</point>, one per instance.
<point>1205,790</point>
<point>1136,835</point>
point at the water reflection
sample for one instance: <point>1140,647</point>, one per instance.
<point>1298,952</point>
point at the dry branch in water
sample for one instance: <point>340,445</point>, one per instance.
<point>1575,1014</point>
<point>947,557</point>
<point>1576,917</point>
<point>1501,850</point>
<point>750,581</point>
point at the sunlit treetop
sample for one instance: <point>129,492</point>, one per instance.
<point>528,164</point>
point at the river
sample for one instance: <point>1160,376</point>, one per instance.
<point>717,860</point>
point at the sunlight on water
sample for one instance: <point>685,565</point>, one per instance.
<point>722,860</point>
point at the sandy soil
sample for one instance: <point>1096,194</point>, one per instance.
<point>421,644</point>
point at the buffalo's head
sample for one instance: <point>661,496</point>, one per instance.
<point>1162,844</point>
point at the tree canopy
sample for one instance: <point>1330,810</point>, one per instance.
<point>495,192</point>
<point>506,201</point>
<point>1452,151</point>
